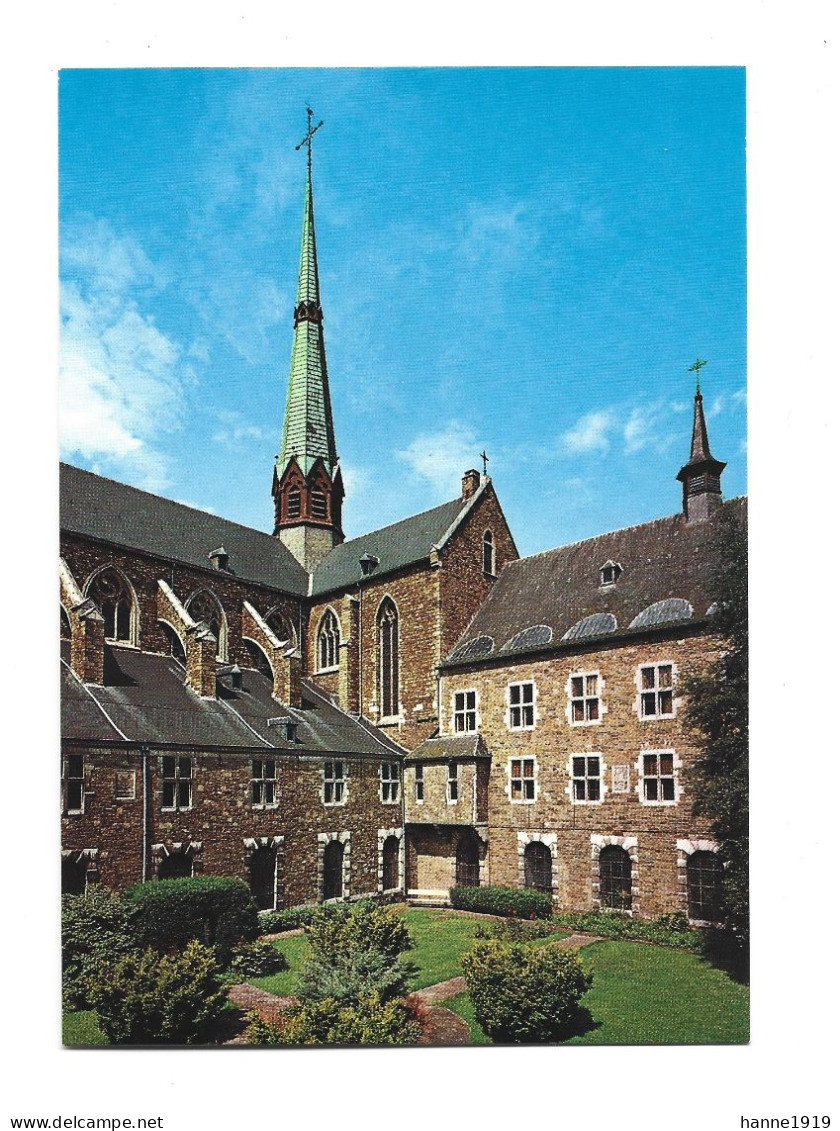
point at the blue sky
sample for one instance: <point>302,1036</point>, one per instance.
<point>522,260</point>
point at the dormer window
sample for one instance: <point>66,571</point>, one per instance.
<point>610,573</point>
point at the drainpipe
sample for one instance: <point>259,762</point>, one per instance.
<point>144,754</point>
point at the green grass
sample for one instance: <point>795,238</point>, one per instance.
<point>296,949</point>
<point>81,1028</point>
<point>650,995</point>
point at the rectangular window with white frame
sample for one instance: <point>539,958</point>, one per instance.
<point>523,779</point>
<point>584,698</point>
<point>74,784</point>
<point>656,691</point>
<point>176,783</point>
<point>586,779</point>
<point>521,698</point>
<point>334,790</point>
<point>389,783</point>
<point>264,783</point>
<point>419,784</point>
<point>465,712</point>
<point>658,777</point>
<point>452,782</point>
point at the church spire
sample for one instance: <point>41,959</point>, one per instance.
<point>700,477</point>
<point>307,486</point>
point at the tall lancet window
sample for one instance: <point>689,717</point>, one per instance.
<point>489,547</point>
<point>204,606</point>
<point>329,636</point>
<point>388,628</point>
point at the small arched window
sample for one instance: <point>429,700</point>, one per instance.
<point>538,866</point>
<point>489,554</point>
<point>204,606</point>
<point>388,637</point>
<point>115,600</point>
<point>329,637</point>
<point>616,878</point>
<point>704,873</point>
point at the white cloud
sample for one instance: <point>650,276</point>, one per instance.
<point>441,458</point>
<point>121,379</point>
<point>235,430</point>
<point>589,433</point>
<point>715,408</point>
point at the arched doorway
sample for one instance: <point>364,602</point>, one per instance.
<point>391,864</point>
<point>467,861</point>
<point>262,878</point>
<point>615,875</point>
<point>538,866</point>
<point>333,870</point>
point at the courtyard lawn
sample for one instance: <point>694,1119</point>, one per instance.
<point>646,994</point>
<point>296,949</point>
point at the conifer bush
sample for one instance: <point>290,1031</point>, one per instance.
<point>96,932</point>
<point>160,999</point>
<point>521,994</point>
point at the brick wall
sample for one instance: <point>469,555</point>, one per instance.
<point>221,817</point>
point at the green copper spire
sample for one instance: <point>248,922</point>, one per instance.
<point>308,425</point>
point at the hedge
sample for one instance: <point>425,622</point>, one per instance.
<point>215,910</point>
<point>275,922</point>
<point>518,903</point>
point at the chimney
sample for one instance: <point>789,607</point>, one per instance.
<point>201,660</point>
<point>219,558</point>
<point>470,483</point>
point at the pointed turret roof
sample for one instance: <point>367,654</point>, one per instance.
<point>308,425</point>
<point>700,455</point>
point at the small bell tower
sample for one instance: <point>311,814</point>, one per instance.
<point>700,477</point>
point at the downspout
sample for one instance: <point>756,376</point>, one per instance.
<point>144,754</point>
<point>359,651</point>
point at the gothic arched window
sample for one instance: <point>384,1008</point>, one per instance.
<point>489,553</point>
<point>388,639</point>
<point>204,606</point>
<point>329,636</point>
<point>112,594</point>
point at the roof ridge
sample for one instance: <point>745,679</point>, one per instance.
<point>407,518</point>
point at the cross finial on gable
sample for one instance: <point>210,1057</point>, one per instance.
<point>695,368</point>
<point>310,133</point>
<point>485,460</point>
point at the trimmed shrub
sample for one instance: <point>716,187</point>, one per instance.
<point>95,933</point>
<point>160,999</point>
<point>215,910</point>
<point>356,953</point>
<point>370,1021</point>
<point>256,960</point>
<point>275,922</point>
<point>524,995</point>
<point>518,903</point>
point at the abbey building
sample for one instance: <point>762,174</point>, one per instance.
<point>394,714</point>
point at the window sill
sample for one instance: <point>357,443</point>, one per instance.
<point>326,671</point>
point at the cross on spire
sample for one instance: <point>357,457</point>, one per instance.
<point>485,460</point>
<point>310,133</point>
<point>695,368</point>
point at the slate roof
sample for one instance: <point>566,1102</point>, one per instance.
<point>401,544</point>
<point>668,561</point>
<point>145,701</point>
<point>459,748</point>
<point>104,509</point>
